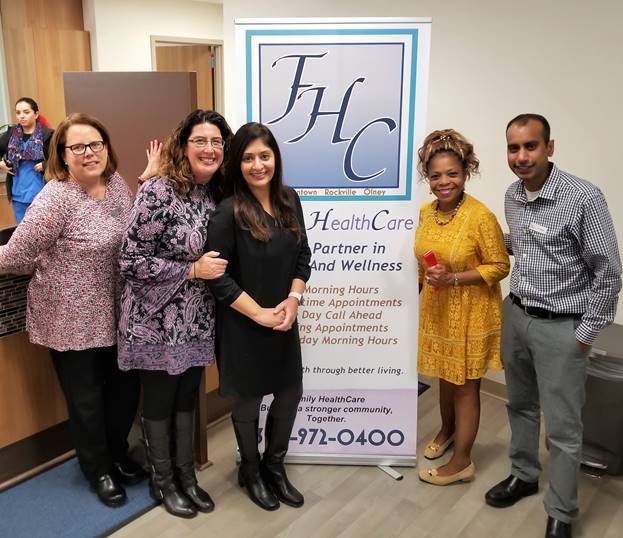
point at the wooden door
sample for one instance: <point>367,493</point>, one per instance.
<point>190,57</point>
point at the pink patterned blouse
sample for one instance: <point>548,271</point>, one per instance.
<point>69,242</point>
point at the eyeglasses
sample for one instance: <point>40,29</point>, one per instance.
<point>200,142</point>
<point>80,149</point>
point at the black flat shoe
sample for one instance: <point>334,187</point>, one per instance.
<point>129,472</point>
<point>108,491</point>
<point>557,528</point>
<point>509,491</point>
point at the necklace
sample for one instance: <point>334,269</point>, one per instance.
<point>452,213</point>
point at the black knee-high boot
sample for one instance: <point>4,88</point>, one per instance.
<point>249,471</point>
<point>277,435</point>
<point>162,486</point>
<point>185,461</point>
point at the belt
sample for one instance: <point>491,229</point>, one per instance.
<point>536,312</point>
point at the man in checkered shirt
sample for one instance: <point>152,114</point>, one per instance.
<point>564,290</point>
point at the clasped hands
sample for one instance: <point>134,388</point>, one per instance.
<point>279,318</point>
<point>439,277</point>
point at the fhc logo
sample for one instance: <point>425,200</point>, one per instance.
<point>337,111</point>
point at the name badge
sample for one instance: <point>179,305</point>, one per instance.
<point>537,228</point>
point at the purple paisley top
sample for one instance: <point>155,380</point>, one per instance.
<point>166,321</point>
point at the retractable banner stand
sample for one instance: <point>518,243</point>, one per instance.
<point>346,100</point>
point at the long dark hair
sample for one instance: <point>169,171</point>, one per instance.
<point>174,164</point>
<point>248,211</point>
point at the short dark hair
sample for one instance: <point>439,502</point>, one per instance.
<point>57,168</point>
<point>31,103</point>
<point>522,119</point>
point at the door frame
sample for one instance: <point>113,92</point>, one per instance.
<point>217,44</point>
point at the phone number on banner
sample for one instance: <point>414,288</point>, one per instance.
<point>346,437</point>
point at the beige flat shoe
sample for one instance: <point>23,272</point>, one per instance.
<point>435,450</point>
<point>431,476</point>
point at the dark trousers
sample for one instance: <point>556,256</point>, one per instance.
<point>284,405</point>
<point>165,394</point>
<point>101,403</point>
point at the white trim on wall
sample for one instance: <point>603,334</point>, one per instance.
<point>6,110</point>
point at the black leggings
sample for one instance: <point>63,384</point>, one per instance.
<point>165,394</point>
<point>284,405</point>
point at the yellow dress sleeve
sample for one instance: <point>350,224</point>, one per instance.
<point>495,264</point>
<point>420,267</point>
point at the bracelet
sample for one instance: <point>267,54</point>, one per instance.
<point>456,280</point>
<point>298,296</point>
<point>194,271</point>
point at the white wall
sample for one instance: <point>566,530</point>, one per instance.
<point>6,110</point>
<point>494,59</point>
<point>121,29</point>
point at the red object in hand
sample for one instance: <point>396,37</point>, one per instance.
<point>431,261</point>
<point>430,258</point>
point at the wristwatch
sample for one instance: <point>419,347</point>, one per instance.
<point>298,296</point>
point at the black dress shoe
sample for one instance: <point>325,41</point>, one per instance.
<point>557,528</point>
<point>509,491</point>
<point>129,472</point>
<point>200,498</point>
<point>108,491</point>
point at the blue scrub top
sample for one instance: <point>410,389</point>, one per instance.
<point>27,183</point>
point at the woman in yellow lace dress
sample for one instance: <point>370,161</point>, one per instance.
<point>460,301</point>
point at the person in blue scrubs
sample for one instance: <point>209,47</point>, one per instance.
<point>24,152</point>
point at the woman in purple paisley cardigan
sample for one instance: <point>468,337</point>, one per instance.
<point>166,326</point>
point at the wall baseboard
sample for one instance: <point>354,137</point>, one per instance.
<point>29,456</point>
<point>493,388</point>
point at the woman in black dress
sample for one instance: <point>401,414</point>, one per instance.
<point>260,230</point>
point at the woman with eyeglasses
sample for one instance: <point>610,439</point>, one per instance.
<point>24,153</point>
<point>69,241</point>
<point>166,328</point>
